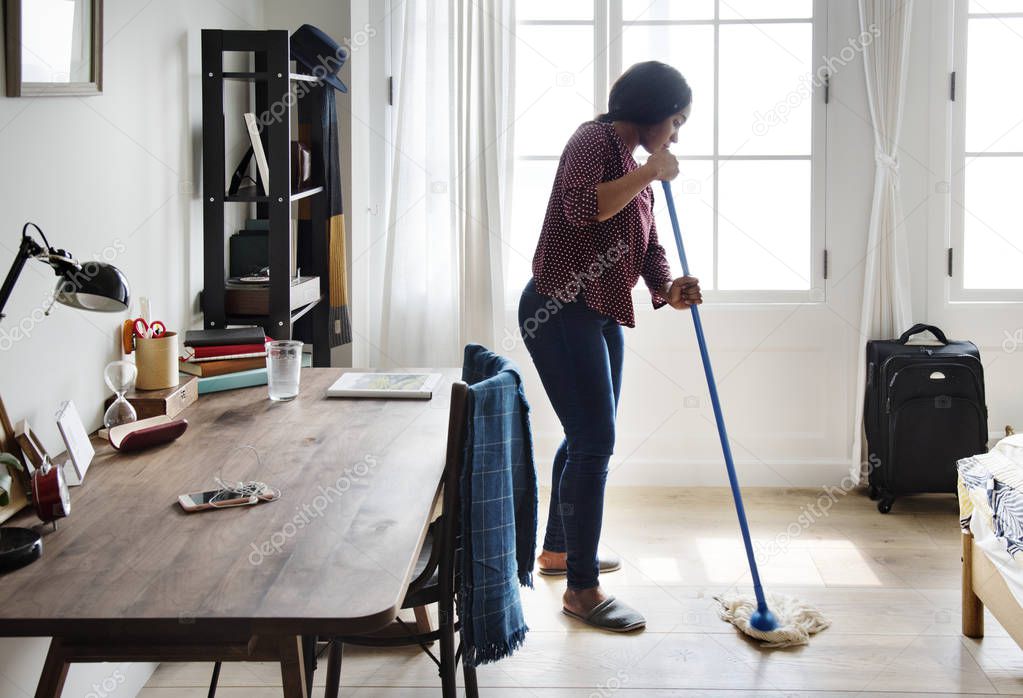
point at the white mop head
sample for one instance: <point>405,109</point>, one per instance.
<point>796,620</point>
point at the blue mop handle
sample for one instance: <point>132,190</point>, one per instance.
<point>716,402</point>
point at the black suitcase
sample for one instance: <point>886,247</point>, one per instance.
<point>924,409</point>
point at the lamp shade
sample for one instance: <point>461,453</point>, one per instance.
<point>93,286</point>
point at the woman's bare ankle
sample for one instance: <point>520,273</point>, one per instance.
<point>582,601</point>
<point>552,559</point>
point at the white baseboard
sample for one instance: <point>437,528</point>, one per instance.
<point>711,473</point>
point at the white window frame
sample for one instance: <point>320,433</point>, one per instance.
<point>957,293</point>
<point>607,26</point>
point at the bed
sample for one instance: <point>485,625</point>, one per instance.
<point>991,515</point>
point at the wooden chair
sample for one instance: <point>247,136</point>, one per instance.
<point>436,576</point>
<point>435,581</point>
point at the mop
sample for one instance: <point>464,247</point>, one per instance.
<point>792,621</point>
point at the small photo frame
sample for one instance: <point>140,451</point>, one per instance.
<point>76,438</point>
<point>32,448</point>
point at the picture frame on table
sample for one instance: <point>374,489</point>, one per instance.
<point>31,447</point>
<point>17,498</point>
<point>76,440</point>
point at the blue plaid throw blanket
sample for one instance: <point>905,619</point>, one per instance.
<point>499,509</point>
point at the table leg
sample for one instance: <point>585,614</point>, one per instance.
<point>423,625</point>
<point>51,683</point>
<point>309,655</point>
<point>333,686</point>
<point>292,667</point>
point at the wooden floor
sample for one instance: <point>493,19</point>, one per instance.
<point>889,583</point>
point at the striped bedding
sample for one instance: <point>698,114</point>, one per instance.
<point>993,482</point>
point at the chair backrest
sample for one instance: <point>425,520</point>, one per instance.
<point>446,533</point>
<point>458,430</point>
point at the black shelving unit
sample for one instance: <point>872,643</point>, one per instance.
<point>271,80</point>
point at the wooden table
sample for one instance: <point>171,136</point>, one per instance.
<point>129,576</point>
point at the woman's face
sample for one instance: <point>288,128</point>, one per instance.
<point>661,135</point>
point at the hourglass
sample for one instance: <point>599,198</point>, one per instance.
<point>119,377</point>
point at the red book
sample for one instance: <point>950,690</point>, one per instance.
<point>225,350</point>
<point>222,367</point>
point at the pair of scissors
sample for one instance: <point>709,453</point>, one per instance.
<point>147,330</point>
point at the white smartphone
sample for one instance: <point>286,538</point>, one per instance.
<point>201,501</point>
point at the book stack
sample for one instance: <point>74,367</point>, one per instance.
<point>228,359</point>
<point>225,359</point>
<point>219,352</point>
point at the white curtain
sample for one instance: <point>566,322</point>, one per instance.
<point>442,284</point>
<point>886,308</point>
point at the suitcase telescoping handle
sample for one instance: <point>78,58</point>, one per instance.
<point>921,327</point>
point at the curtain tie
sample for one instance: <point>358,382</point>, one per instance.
<point>890,163</point>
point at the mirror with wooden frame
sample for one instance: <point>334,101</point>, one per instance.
<point>53,47</point>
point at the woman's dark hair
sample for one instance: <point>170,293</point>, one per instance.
<point>647,93</point>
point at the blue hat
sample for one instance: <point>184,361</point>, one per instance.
<point>320,54</point>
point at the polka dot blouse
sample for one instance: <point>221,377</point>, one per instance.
<point>599,263</point>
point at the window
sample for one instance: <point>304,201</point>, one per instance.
<point>986,257</point>
<point>749,197</point>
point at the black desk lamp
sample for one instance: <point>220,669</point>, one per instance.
<point>90,286</point>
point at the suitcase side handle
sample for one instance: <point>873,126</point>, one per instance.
<point>921,327</point>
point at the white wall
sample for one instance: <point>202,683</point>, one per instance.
<point>115,175</point>
<point>338,19</point>
<point>786,372</point>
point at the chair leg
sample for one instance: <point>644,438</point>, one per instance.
<point>445,611</point>
<point>471,688</point>
<point>214,680</point>
<point>423,626</point>
<point>333,669</point>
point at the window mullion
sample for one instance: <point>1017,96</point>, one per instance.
<point>601,51</point>
<point>716,155</point>
<point>957,229</point>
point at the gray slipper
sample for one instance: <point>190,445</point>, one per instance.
<point>605,564</point>
<point>613,615</point>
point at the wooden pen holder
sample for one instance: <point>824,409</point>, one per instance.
<point>157,362</point>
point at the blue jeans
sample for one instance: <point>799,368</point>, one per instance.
<point>578,353</point>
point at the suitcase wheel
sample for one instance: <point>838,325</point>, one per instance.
<point>885,505</point>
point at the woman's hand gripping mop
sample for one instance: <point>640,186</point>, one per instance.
<point>792,622</point>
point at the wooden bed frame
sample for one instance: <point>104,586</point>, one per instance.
<point>984,586</point>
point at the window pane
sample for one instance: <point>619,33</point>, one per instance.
<point>766,9</point>
<point>991,6</point>
<point>553,86</point>
<point>693,191</point>
<point>635,10</point>
<point>691,50</point>
<point>544,9</point>
<point>766,103</point>
<point>532,189</point>
<point>992,234</point>
<point>994,103</point>
<point>764,225</point>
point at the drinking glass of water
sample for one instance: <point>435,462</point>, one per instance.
<point>283,366</point>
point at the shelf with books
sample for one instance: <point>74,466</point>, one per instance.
<point>271,83</point>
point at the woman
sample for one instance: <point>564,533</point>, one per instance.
<point>598,238</point>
